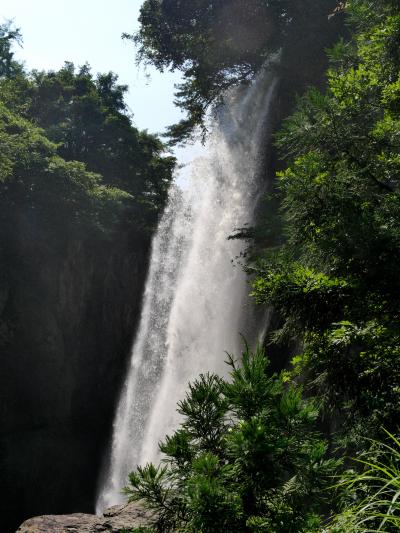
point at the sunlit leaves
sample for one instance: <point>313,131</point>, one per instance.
<point>334,283</point>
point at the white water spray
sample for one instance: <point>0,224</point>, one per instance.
<point>195,298</point>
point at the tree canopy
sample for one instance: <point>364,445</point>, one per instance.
<point>49,192</point>
<point>89,121</point>
<point>335,281</point>
<point>87,125</point>
<point>217,44</point>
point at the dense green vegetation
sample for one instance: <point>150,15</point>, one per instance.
<point>371,492</point>
<point>248,456</point>
<point>38,184</point>
<point>70,155</point>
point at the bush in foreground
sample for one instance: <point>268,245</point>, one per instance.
<point>246,457</point>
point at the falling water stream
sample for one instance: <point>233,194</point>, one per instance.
<point>195,302</point>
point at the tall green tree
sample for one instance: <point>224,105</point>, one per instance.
<point>88,120</point>
<point>40,189</point>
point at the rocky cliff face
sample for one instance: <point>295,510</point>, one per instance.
<point>68,310</point>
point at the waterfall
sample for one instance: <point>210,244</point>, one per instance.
<point>196,298</point>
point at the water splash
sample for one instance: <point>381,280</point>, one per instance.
<point>195,301</point>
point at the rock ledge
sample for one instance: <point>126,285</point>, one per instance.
<point>114,520</point>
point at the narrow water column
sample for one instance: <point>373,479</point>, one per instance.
<point>195,298</point>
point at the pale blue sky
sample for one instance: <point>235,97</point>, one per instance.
<point>90,30</point>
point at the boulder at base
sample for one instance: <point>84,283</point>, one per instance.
<point>114,520</point>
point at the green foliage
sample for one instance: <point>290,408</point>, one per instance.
<point>341,188</point>
<point>8,36</point>
<point>87,118</point>
<point>334,282</point>
<point>306,299</point>
<point>219,44</point>
<point>40,187</point>
<point>204,409</point>
<point>70,154</point>
<point>357,364</point>
<point>246,457</point>
<point>371,492</point>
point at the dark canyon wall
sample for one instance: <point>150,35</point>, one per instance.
<point>68,311</point>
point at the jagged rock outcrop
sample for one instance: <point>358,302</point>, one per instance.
<point>114,520</point>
